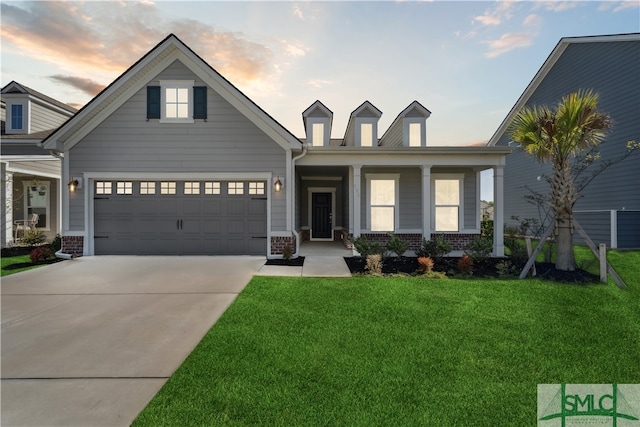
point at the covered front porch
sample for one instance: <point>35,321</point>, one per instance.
<point>372,192</point>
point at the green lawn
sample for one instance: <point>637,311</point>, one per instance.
<point>402,351</point>
<point>7,262</point>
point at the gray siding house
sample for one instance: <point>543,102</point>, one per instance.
<point>171,158</point>
<point>610,65</point>
<point>30,174</point>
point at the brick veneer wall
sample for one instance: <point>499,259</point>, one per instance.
<point>414,240</point>
<point>459,242</point>
<point>73,245</point>
<point>279,243</point>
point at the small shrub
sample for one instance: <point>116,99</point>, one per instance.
<point>480,248</point>
<point>42,253</point>
<point>397,245</point>
<point>374,264</point>
<point>435,248</point>
<point>465,264</point>
<point>518,252</point>
<point>426,264</point>
<point>33,237</point>
<point>486,228</point>
<point>56,243</point>
<point>366,248</point>
<point>506,270</point>
<point>435,275</point>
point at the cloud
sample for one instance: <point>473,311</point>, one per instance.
<point>626,5</point>
<point>508,42</point>
<point>88,86</point>
<point>558,6</point>
<point>66,34</point>
<point>297,11</point>
<point>532,20</point>
<point>495,16</point>
<point>318,83</point>
<point>293,50</point>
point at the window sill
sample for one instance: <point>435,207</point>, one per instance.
<point>176,121</point>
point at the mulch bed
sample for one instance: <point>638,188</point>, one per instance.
<point>481,269</point>
<point>294,262</point>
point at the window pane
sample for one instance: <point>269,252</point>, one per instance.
<point>447,192</point>
<point>235,188</point>
<point>256,188</point>
<point>446,218</point>
<point>383,192</point>
<point>16,116</point>
<point>366,135</point>
<point>148,187</point>
<point>103,187</point>
<point>382,218</point>
<point>414,135</point>
<point>183,94</point>
<point>124,187</point>
<point>211,188</point>
<point>171,95</point>
<point>167,187</point>
<point>318,135</point>
<point>183,111</point>
<point>172,111</point>
<point>192,187</point>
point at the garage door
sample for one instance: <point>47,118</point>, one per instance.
<point>180,217</point>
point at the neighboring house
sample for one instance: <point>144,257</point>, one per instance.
<point>30,174</point>
<point>171,158</point>
<point>610,65</point>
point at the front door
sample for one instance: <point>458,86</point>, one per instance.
<point>321,204</point>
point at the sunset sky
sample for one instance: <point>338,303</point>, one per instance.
<point>467,62</point>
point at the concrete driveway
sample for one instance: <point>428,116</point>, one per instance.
<point>89,342</point>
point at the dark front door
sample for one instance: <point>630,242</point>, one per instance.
<point>321,216</point>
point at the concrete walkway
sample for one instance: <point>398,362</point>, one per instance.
<point>89,342</point>
<point>322,259</point>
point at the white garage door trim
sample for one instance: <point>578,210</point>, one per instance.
<point>89,178</point>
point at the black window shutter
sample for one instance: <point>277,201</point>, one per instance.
<point>199,102</point>
<point>153,102</point>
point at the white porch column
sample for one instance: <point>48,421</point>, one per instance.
<point>356,199</point>
<point>426,201</point>
<point>7,210</point>
<point>498,211</point>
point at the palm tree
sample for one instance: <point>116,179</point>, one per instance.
<point>557,136</point>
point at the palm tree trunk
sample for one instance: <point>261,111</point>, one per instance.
<point>563,199</point>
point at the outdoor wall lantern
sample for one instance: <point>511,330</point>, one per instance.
<point>277,185</point>
<point>73,185</point>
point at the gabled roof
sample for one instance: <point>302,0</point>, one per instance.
<point>317,106</point>
<point>546,68</point>
<point>139,74</point>
<point>414,106</point>
<point>365,106</point>
<point>15,87</point>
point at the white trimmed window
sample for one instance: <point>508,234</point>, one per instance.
<point>235,188</point>
<point>176,100</point>
<point>167,187</point>
<point>17,120</point>
<point>256,188</point>
<point>103,187</point>
<point>383,198</point>
<point>148,187</point>
<point>211,188</point>
<point>192,187</point>
<point>447,202</point>
<point>415,137</point>
<point>124,187</point>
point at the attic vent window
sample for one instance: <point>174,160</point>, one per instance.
<point>366,135</point>
<point>318,134</point>
<point>176,101</point>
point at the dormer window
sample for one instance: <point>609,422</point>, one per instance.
<point>414,132</point>
<point>317,134</point>
<point>366,135</point>
<point>17,117</point>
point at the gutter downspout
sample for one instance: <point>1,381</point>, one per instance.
<point>60,254</point>
<point>293,197</point>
